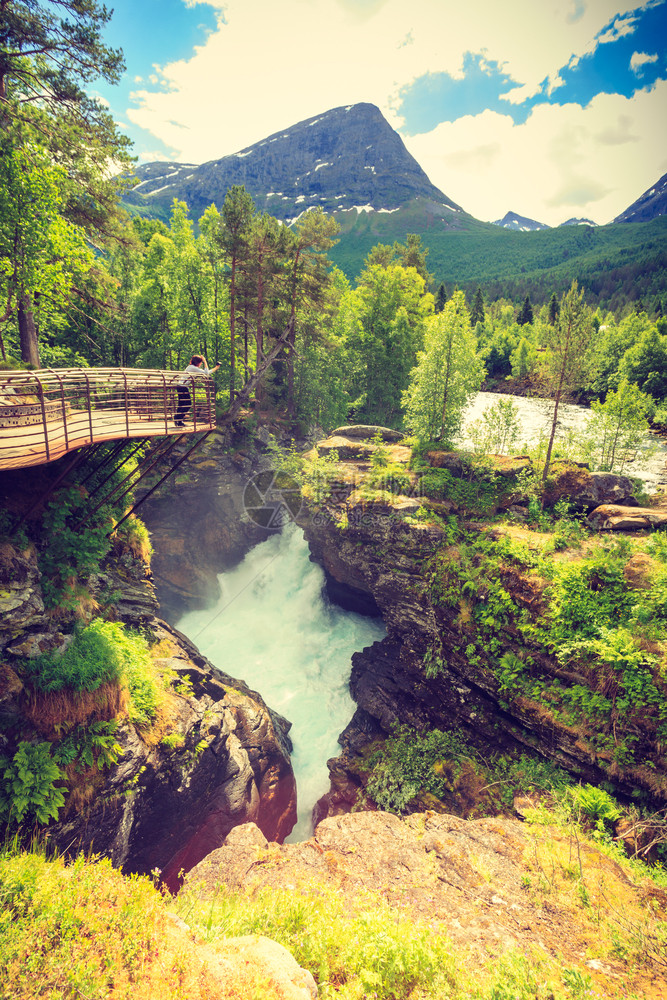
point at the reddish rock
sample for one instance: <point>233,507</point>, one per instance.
<point>614,517</point>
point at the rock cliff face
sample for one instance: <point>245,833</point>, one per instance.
<point>197,525</point>
<point>217,755</point>
<point>377,548</point>
<point>167,806</point>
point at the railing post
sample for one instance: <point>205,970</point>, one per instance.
<point>40,393</point>
<point>164,403</point>
<point>127,411</point>
<point>90,406</point>
<point>64,408</point>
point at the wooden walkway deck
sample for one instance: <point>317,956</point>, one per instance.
<point>45,414</point>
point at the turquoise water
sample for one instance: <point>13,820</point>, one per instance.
<point>273,628</point>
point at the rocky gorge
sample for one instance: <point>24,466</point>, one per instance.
<point>209,790</point>
<point>456,618</point>
<point>216,755</point>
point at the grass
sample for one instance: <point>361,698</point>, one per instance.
<point>82,929</point>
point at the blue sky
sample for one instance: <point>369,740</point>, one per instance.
<point>625,59</point>
<point>550,110</point>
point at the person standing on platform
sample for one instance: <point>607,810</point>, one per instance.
<point>198,367</point>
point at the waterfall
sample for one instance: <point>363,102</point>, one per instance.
<point>273,628</point>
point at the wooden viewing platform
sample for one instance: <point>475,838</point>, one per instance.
<point>46,413</point>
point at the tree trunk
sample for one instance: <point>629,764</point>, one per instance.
<point>259,339</point>
<point>28,332</point>
<point>232,332</point>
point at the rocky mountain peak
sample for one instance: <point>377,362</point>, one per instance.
<point>519,223</point>
<point>348,158</point>
<point>648,206</point>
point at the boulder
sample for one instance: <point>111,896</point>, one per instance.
<point>615,517</point>
<point>272,964</point>
<point>586,490</point>
<point>368,431</point>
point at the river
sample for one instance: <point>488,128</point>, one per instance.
<point>535,419</point>
<point>274,628</point>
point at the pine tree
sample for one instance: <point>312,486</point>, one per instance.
<point>49,52</point>
<point>526,312</point>
<point>477,314</point>
<point>554,309</point>
<point>237,213</point>
<point>440,298</point>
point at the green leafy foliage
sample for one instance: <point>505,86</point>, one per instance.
<point>477,494</point>
<point>407,763</point>
<point>88,746</point>
<point>74,539</point>
<point>98,654</point>
<point>595,805</point>
<point>101,653</point>
<point>28,789</point>
<point>448,371</point>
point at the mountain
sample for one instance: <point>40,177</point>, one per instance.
<point>649,206</point>
<point>579,222</point>
<point>355,166</point>
<point>519,224</point>
<point>346,160</point>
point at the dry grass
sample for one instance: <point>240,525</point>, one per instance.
<point>52,711</point>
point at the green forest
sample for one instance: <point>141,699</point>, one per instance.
<point>84,284</point>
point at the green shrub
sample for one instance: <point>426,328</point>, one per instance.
<point>144,692</point>
<point>391,477</point>
<point>477,495</point>
<point>97,655</point>
<point>408,763</point>
<point>94,744</point>
<point>77,534</point>
<point>372,952</point>
<point>102,653</point>
<point>595,805</point>
<point>27,784</point>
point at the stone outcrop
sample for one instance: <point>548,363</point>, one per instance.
<point>216,754</point>
<point>586,490</point>
<point>615,517</point>
<point>472,880</point>
<point>222,759</point>
<point>384,551</point>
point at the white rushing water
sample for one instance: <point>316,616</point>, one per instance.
<point>274,629</point>
<point>535,419</point>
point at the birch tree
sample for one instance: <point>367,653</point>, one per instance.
<point>568,358</point>
<point>448,371</point>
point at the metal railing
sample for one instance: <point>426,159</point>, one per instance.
<point>46,413</point>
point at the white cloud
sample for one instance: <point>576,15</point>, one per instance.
<point>639,59</point>
<point>270,65</point>
<point>563,161</point>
